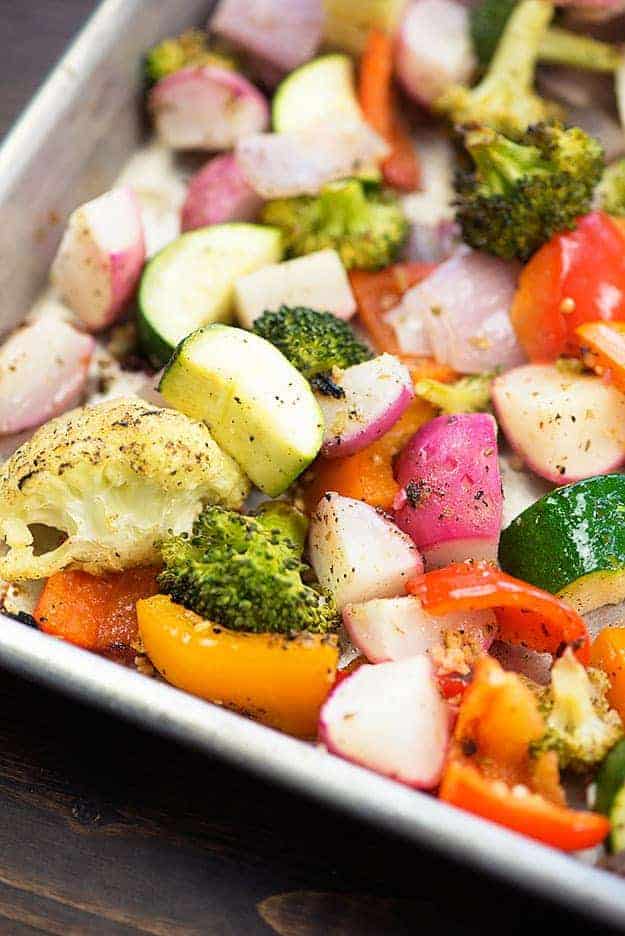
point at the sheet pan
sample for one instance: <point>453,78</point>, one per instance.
<point>68,146</point>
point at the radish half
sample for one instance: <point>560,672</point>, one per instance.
<point>219,193</point>
<point>376,394</point>
<point>357,553</point>
<point>451,501</point>
<point>391,719</point>
<point>206,108</point>
<point>43,372</point>
<point>434,49</point>
<point>387,629</point>
<point>99,262</point>
<point>566,427</point>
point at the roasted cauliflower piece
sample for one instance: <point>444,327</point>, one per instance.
<point>111,479</point>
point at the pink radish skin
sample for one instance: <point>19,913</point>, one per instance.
<point>43,373</point>
<point>359,554</point>
<point>434,49</point>
<point>451,501</point>
<point>389,629</point>
<point>376,395</point>
<point>206,108</point>
<point>283,35</point>
<point>391,719</point>
<point>219,193</point>
<point>565,427</point>
<point>99,262</point>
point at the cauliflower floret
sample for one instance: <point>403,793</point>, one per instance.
<point>112,479</point>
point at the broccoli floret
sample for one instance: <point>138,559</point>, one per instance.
<point>468,395</point>
<point>521,193</point>
<point>314,342</point>
<point>559,46</point>
<point>366,226</point>
<point>190,48</point>
<point>581,726</point>
<point>236,572</point>
<point>284,520</point>
<point>505,98</point>
<point>612,189</point>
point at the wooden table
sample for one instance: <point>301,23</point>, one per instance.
<point>105,829</point>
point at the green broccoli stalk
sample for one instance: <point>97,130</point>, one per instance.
<point>558,46</point>
<point>190,48</point>
<point>522,193</point>
<point>467,395</point>
<point>581,726</point>
<point>314,342</point>
<point>505,98</point>
<point>611,189</point>
<point>235,571</point>
<point>284,520</point>
<point>366,226</point>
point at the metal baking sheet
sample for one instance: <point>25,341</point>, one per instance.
<point>69,146</point>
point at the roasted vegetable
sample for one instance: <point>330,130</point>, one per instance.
<point>559,46</point>
<point>521,193</point>
<point>106,482</point>
<point>467,395</point>
<point>366,226</point>
<point>580,725</point>
<point>505,98</point>
<point>314,342</point>
<point>189,48</point>
<point>235,572</point>
<point>612,189</point>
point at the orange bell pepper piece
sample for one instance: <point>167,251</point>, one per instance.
<point>491,772</point>
<point>608,654</point>
<point>526,614</point>
<point>95,612</point>
<point>603,349</point>
<point>375,92</point>
<point>279,680</point>
<point>367,475</point>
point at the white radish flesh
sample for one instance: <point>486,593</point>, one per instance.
<point>391,719</point>
<point>376,394</point>
<point>357,553</point>
<point>99,262</point>
<point>218,193</point>
<point>317,281</point>
<point>206,108</point>
<point>451,500</point>
<point>43,372</point>
<point>434,49</point>
<point>281,34</point>
<point>565,427</point>
<point>387,629</point>
<point>281,165</point>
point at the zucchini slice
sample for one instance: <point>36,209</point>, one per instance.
<point>610,798</point>
<point>258,407</point>
<point>572,543</point>
<point>191,281</point>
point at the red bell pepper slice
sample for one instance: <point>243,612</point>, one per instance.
<point>375,92</point>
<point>576,277</point>
<point>526,614</point>
<point>521,810</point>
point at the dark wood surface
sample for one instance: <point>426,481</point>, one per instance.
<point>105,829</point>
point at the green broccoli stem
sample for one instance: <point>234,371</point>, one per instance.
<point>517,52</point>
<point>499,161</point>
<point>560,47</point>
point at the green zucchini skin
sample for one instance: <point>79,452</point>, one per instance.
<point>572,532</point>
<point>610,799</point>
